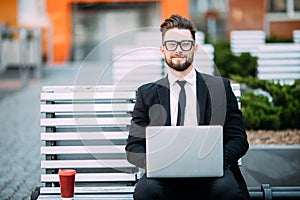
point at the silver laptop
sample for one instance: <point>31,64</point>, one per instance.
<point>184,151</point>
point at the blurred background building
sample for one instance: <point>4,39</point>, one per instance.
<point>70,29</point>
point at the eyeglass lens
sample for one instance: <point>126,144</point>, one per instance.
<point>185,45</point>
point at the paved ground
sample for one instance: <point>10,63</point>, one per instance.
<point>19,130</point>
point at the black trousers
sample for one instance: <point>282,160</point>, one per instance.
<point>220,188</point>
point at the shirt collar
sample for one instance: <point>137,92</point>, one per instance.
<point>190,78</point>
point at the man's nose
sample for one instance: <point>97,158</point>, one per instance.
<point>178,48</point>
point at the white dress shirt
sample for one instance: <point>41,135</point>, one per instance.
<point>190,118</point>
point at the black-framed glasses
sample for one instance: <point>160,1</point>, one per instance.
<point>185,45</point>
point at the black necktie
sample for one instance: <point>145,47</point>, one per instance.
<point>181,103</point>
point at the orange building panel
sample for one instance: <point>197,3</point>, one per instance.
<point>245,15</point>
<point>59,15</point>
<point>8,12</point>
<point>276,28</point>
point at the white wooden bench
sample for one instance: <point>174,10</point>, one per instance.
<point>85,128</point>
<point>204,59</point>
<point>246,41</point>
<point>279,62</point>
<point>135,65</point>
<point>143,62</point>
<point>296,36</point>
<point>200,37</point>
<point>150,37</point>
<point>138,63</point>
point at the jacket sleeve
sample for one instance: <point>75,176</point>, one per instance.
<point>235,138</point>
<point>136,143</point>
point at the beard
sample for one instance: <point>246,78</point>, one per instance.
<point>180,66</point>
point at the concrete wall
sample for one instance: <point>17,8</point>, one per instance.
<point>277,165</point>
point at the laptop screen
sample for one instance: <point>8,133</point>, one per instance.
<point>184,151</point>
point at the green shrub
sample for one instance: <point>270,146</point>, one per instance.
<point>285,99</point>
<point>258,113</point>
<point>227,63</point>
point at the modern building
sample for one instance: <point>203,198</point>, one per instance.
<point>72,28</point>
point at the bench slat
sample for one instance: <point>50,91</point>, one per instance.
<point>91,190</point>
<point>120,121</point>
<point>248,33</point>
<point>207,48</point>
<point>56,164</point>
<point>85,88</point>
<point>113,149</point>
<point>282,62</point>
<point>124,70</point>
<point>278,47</point>
<point>296,36</point>
<point>84,136</point>
<point>278,56</point>
<point>88,96</point>
<point>124,75</point>
<point>93,177</point>
<point>74,108</point>
<point>136,49</point>
<point>280,69</point>
<point>134,64</point>
<point>281,76</point>
<point>91,197</point>
<point>132,57</point>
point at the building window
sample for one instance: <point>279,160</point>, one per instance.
<point>297,5</point>
<point>283,6</point>
<point>277,6</point>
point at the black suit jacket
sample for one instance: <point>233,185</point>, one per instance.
<point>217,105</point>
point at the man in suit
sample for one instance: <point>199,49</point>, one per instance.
<point>208,100</point>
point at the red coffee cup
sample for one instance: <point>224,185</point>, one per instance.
<point>67,182</point>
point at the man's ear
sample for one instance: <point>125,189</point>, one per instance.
<point>196,48</point>
<point>162,50</point>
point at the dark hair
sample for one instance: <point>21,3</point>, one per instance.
<point>177,21</point>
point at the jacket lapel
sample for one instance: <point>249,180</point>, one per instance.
<point>163,93</point>
<point>202,92</point>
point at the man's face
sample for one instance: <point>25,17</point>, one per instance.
<point>178,49</point>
